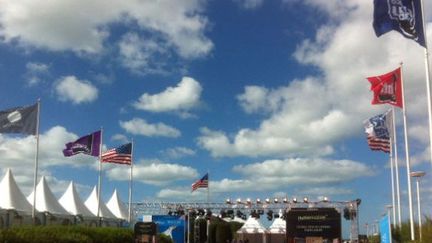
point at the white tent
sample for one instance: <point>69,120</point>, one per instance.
<point>278,226</point>
<point>252,231</point>
<point>45,199</point>
<point>72,202</point>
<point>92,205</point>
<point>11,196</point>
<point>117,207</point>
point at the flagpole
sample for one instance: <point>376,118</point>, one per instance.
<point>130,185</point>
<point>407,159</point>
<point>428,85</point>
<point>392,182</point>
<point>208,187</point>
<point>100,177</point>
<point>36,165</point>
<point>396,163</point>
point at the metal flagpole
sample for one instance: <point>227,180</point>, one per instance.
<point>208,187</point>
<point>392,183</point>
<point>396,163</point>
<point>428,86</point>
<point>100,178</point>
<point>36,165</point>
<point>408,169</point>
<point>130,185</point>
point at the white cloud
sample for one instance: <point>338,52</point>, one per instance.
<point>310,116</point>
<point>18,154</point>
<point>178,152</point>
<point>249,4</point>
<point>120,137</point>
<point>70,88</point>
<point>35,73</point>
<point>181,98</point>
<point>154,172</point>
<point>139,126</point>
<point>55,26</point>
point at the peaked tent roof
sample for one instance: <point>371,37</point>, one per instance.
<point>72,202</point>
<point>252,225</point>
<point>117,207</point>
<point>92,205</point>
<point>11,195</point>
<point>278,226</point>
<point>45,199</point>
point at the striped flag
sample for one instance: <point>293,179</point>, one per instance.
<point>377,130</point>
<point>120,155</point>
<point>201,183</point>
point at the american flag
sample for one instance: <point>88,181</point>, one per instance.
<point>120,155</point>
<point>201,183</point>
<point>378,134</point>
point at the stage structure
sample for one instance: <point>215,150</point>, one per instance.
<point>349,209</point>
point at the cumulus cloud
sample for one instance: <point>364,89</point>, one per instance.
<point>138,126</point>
<point>77,91</point>
<point>181,98</point>
<point>154,172</point>
<point>35,72</point>
<point>311,115</point>
<point>18,154</point>
<point>178,152</point>
<point>249,4</point>
<point>56,27</point>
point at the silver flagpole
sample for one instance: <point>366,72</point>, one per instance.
<point>392,183</point>
<point>408,169</point>
<point>428,86</point>
<point>36,165</point>
<point>396,163</point>
<point>100,178</point>
<point>130,185</point>
<point>208,187</point>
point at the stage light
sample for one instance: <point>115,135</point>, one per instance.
<point>285,200</point>
<point>239,200</point>
<point>276,200</point>
<point>294,200</point>
<point>228,201</point>
<point>248,201</point>
<point>258,201</point>
<point>305,199</point>
<point>325,199</point>
<point>267,200</point>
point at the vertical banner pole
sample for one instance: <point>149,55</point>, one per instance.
<point>36,164</point>
<point>130,185</point>
<point>100,179</point>
<point>396,163</point>
<point>407,159</point>
<point>392,183</point>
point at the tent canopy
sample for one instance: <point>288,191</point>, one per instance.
<point>11,196</point>
<point>72,202</point>
<point>251,226</point>
<point>92,205</point>
<point>117,207</point>
<point>45,199</point>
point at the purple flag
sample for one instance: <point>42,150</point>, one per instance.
<point>88,144</point>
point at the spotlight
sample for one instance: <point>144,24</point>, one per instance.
<point>258,201</point>
<point>294,200</point>
<point>276,200</point>
<point>305,199</point>
<point>267,200</point>
<point>228,201</point>
<point>285,200</point>
<point>248,201</point>
<point>325,199</point>
<point>270,215</point>
<point>239,200</point>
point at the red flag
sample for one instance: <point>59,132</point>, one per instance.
<point>387,88</point>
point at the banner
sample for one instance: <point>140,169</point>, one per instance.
<point>385,229</point>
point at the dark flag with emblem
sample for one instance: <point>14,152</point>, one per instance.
<point>377,130</point>
<point>404,16</point>
<point>387,88</point>
<point>19,120</point>
<point>88,144</point>
<point>201,183</point>
<point>120,155</point>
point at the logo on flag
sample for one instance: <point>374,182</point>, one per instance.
<point>378,134</point>
<point>120,155</point>
<point>403,16</point>
<point>201,183</point>
<point>88,144</point>
<point>387,88</point>
<point>19,120</point>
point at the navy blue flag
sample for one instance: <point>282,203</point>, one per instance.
<point>19,120</point>
<point>404,16</point>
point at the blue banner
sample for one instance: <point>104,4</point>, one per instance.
<point>173,226</point>
<point>385,229</point>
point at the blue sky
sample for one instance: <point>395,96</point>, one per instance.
<point>268,96</point>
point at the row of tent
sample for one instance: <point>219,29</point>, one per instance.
<point>68,205</point>
<point>253,231</point>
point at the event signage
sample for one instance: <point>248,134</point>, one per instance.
<point>171,225</point>
<point>313,222</point>
<point>385,230</point>
<point>145,228</point>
